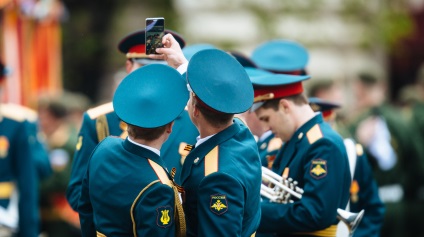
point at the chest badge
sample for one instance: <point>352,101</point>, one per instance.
<point>318,168</point>
<point>164,216</point>
<point>4,146</point>
<point>219,204</point>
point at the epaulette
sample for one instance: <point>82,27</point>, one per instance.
<point>160,172</point>
<point>211,161</point>
<point>274,144</point>
<point>359,149</point>
<point>18,112</point>
<point>314,134</point>
<point>100,110</point>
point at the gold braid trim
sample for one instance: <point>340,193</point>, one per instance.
<point>102,127</point>
<point>133,205</point>
<point>180,224</point>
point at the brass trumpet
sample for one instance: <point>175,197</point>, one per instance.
<point>284,188</point>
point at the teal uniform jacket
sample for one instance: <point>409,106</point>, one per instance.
<point>18,171</point>
<point>268,149</point>
<point>101,117</point>
<point>123,194</point>
<point>364,196</point>
<point>317,160</point>
<point>221,179</point>
<point>41,156</point>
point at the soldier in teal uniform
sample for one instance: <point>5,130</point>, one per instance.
<point>221,176</point>
<point>275,56</point>
<point>313,154</point>
<point>102,121</point>
<point>364,189</point>
<point>18,173</point>
<point>127,190</point>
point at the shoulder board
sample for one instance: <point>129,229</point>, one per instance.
<point>17,112</point>
<point>314,134</point>
<point>100,110</point>
<point>274,144</point>
<point>359,149</point>
<point>211,161</point>
<point>160,172</point>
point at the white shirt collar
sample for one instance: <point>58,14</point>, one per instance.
<point>156,151</point>
<point>202,140</point>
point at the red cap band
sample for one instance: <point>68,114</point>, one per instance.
<point>279,91</point>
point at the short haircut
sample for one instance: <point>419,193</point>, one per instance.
<point>148,134</point>
<point>214,117</point>
<point>319,85</point>
<point>299,99</point>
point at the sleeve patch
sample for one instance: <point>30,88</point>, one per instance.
<point>219,204</point>
<point>164,217</point>
<point>318,168</point>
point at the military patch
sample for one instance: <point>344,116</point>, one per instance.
<point>164,216</point>
<point>79,143</point>
<point>318,168</point>
<point>219,204</point>
<point>4,146</point>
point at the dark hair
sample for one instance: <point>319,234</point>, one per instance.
<point>299,99</point>
<point>214,117</point>
<point>367,79</point>
<point>319,85</point>
<point>148,134</point>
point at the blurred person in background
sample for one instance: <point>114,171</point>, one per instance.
<point>392,152</point>
<point>364,189</point>
<point>18,171</point>
<point>57,218</point>
<point>102,121</point>
<point>331,90</point>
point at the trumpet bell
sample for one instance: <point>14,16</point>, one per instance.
<point>351,219</point>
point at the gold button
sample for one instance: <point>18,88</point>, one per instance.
<point>300,135</point>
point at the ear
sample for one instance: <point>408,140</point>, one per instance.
<point>169,127</point>
<point>128,65</point>
<point>284,105</point>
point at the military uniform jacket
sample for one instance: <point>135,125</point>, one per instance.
<point>221,178</point>
<point>268,149</point>
<point>364,196</point>
<point>103,120</point>
<point>18,171</point>
<point>125,192</point>
<point>317,159</point>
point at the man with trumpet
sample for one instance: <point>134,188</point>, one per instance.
<point>313,158</point>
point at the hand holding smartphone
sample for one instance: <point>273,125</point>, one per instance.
<point>155,28</point>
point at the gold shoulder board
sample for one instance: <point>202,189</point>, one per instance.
<point>100,110</point>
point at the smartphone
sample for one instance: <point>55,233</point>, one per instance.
<point>155,28</point>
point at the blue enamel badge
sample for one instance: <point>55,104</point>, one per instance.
<point>164,216</point>
<point>219,204</point>
<point>318,168</point>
